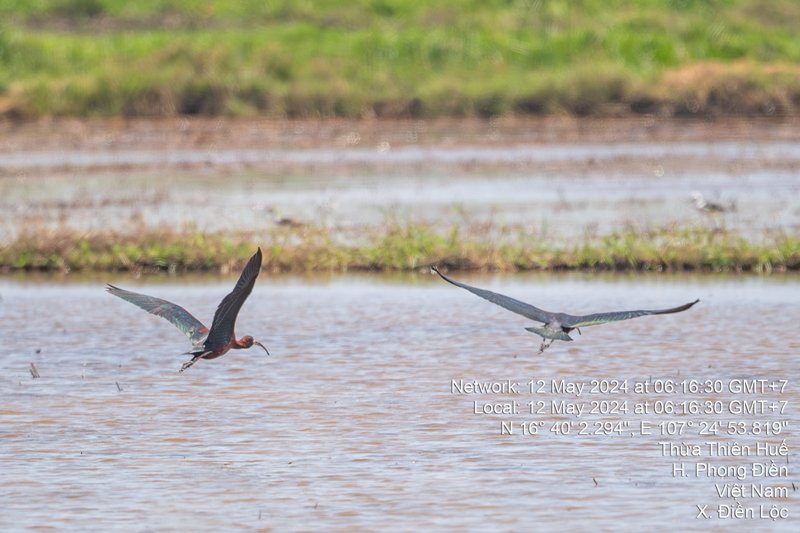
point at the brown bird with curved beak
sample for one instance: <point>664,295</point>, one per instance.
<point>206,344</point>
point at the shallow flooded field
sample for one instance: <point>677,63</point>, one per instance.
<point>561,180</point>
<point>365,414</point>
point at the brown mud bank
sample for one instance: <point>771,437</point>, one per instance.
<point>215,133</point>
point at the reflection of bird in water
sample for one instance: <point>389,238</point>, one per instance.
<point>558,325</point>
<point>704,205</point>
<point>206,344</point>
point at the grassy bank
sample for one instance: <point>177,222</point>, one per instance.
<point>396,58</point>
<point>401,247</point>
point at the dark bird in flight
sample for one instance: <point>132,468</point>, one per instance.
<point>557,325</point>
<point>206,344</point>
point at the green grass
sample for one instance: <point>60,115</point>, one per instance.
<point>394,58</point>
<point>400,247</point>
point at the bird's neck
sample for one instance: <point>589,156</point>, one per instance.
<point>238,344</point>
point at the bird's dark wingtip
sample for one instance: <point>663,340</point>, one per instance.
<point>684,307</point>
<point>257,257</point>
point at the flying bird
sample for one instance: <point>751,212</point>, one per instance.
<point>206,343</point>
<point>557,326</point>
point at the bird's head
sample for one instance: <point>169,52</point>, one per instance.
<point>248,341</point>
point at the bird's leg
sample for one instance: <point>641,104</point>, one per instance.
<point>187,364</point>
<point>545,345</point>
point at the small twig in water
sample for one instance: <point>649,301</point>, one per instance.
<point>118,387</point>
<point>34,371</point>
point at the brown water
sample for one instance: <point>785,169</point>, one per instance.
<point>353,421</point>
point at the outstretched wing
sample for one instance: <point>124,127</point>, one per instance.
<point>515,306</point>
<point>601,318</point>
<point>228,309</point>
<point>177,315</point>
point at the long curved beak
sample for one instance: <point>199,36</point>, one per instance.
<point>265,348</point>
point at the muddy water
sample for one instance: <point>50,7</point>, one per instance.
<point>354,420</point>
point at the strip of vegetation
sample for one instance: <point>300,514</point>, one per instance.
<point>400,247</point>
<point>397,58</point>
